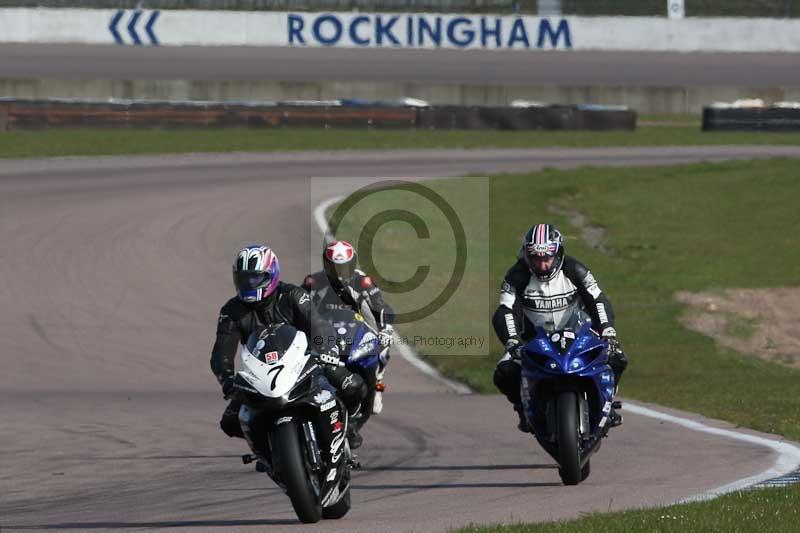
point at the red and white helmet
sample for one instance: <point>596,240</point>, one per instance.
<point>339,261</point>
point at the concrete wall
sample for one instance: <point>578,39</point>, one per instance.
<point>386,30</point>
<point>643,100</point>
<point>457,6</point>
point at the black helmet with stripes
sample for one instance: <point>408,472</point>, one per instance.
<point>543,251</point>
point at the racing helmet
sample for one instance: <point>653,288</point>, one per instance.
<point>542,243</point>
<point>339,261</point>
<point>255,273</point>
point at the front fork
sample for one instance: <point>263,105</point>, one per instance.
<point>583,411</point>
<point>584,427</point>
<point>313,454</point>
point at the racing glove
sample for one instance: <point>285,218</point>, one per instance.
<point>331,357</point>
<point>617,359</point>
<point>386,336</point>
<point>609,335</point>
<point>513,348</point>
<point>227,387</point>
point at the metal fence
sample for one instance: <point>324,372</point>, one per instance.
<point>694,8</point>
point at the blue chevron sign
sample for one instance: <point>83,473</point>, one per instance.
<point>132,34</point>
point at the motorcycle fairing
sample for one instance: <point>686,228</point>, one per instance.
<point>354,338</point>
<point>562,359</point>
<point>366,349</point>
<point>276,379</point>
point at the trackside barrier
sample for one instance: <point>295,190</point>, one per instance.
<point>425,31</point>
<point>751,119</point>
<point>33,114</point>
<point>532,118</point>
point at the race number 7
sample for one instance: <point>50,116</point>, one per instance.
<point>277,369</point>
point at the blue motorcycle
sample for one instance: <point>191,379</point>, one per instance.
<point>567,390</point>
<point>362,352</point>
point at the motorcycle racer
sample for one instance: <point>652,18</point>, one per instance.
<point>262,299</point>
<point>541,289</point>
<point>340,284</point>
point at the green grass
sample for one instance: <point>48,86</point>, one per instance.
<point>398,250</point>
<point>740,327</point>
<point>776,510</point>
<point>698,227</point>
<point>93,141</point>
<point>701,227</point>
<point>690,228</point>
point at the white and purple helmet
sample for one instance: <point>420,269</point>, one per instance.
<point>541,242</point>
<point>255,273</point>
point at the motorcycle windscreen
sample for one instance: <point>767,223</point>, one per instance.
<point>276,379</point>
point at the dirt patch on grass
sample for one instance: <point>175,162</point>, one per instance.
<point>594,236</point>
<point>762,322</point>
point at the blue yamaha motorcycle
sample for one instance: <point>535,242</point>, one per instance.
<point>567,390</point>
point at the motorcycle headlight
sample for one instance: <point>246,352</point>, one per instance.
<point>595,355</point>
<point>368,342</point>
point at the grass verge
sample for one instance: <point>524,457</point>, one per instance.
<point>93,141</point>
<point>697,228</point>
<point>776,510</point>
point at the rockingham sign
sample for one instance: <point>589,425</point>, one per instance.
<point>427,31</point>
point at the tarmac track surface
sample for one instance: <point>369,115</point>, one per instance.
<point>111,274</point>
<point>479,67</point>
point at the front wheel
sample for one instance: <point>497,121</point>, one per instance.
<point>338,509</point>
<point>569,452</point>
<point>290,463</point>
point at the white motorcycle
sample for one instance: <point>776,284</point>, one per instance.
<point>294,423</point>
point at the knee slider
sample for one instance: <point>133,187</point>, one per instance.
<point>230,425</point>
<point>507,376</point>
<point>354,388</point>
<point>506,372</point>
<point>618,361</point>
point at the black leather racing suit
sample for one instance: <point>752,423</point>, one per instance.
<point>289,304</point>
<point>526,301</point>
<point>327,299</point>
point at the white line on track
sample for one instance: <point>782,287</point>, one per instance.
<point>788,455</point>
<point>787,460</point>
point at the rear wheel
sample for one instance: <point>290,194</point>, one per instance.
<point>568,438</point>
<point>292,468</point>
<point>338,509</point>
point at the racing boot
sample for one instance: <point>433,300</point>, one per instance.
<point>522,425</point>
<point>377,400</point>
<point>354,438</point>
<point>615,418</point>
<point>353,426</point>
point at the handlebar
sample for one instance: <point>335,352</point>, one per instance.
<point>331,360</point>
